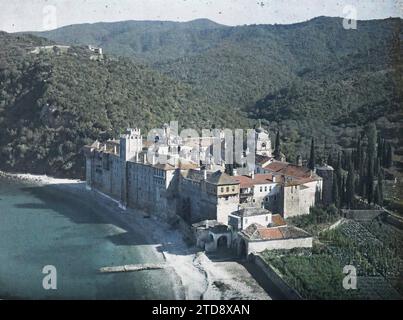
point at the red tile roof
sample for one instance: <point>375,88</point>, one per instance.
<point>270,233</point>
<point>256,232</point>
<point>299,175</point>
<point>288,169</point>
<point>277,220</point>
<point>276,166</point>
<point>248,182</point>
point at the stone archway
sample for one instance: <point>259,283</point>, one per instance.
<point>222,242</point>
<point>242,249</point>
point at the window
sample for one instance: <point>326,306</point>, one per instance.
<point>261,189</point>
<point>222,189</point>
<point>267,218</point>
<point>265,189</point>
<point>227,189</point>
<point>233,188</point>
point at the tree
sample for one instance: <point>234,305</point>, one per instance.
<point>379,190</point>
<point>380,151</point>
<point>350,187</point>
<point>343,192</point>
<point>389,156</point>
<point>339,174</point>
<point>372,136</point>
<point>311,163</point>
<point>277,146</point>
<point>362,175</point>
<point>330,159</point>
<point>358,155</point>
<point>229,169</point>
<point>371,148</point>
<point>335,192</point>
<point>370,180</point>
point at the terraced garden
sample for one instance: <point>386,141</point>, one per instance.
<point>375,249</point>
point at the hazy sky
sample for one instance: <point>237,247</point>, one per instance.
<point>23,15</point>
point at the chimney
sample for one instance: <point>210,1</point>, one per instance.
<point>204,174</point>
<point>234,172</point>
<point>252,175</point>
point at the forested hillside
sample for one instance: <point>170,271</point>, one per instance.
<point>311,79</point>
<point>52,103</point>
<point>150,41</point>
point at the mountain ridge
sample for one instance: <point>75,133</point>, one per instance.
<point>308,79</point>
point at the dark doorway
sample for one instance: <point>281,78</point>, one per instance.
<point>242,248</point>
<point>222,242</point>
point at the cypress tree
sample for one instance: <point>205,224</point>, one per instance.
<point>379,188</point>
<point>339,174</point>
<point>311,163</point>
<point>384,151</point>
<point>380,147</point>
<point>370,180</point>
<point>376,195</point>
<point>358,155</point>
<point>277,147</point>
<point>371,135</point>
<point>350,187</point>
<point>371,148</point>
<point>377,166</point>
<point>389,156</point>
<point>362,176</point>
<point>343,192</point>
<point>325,147</point>
<point>329,159</point>
<point>229,169</point>
<point>335,192</point>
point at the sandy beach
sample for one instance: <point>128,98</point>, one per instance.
<point>194,275</point>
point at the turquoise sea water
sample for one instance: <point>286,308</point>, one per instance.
<point>42,226</point>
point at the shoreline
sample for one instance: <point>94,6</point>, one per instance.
<point>38,179</point>
<point>194,276</point>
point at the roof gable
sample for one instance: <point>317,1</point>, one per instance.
<point>221,178</point>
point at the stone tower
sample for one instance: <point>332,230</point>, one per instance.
<point>326,172</point>
<point>131,143</point>
<point>263,142</point>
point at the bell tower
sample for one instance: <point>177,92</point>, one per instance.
<point>263,142</point>
<point>130,144</point>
